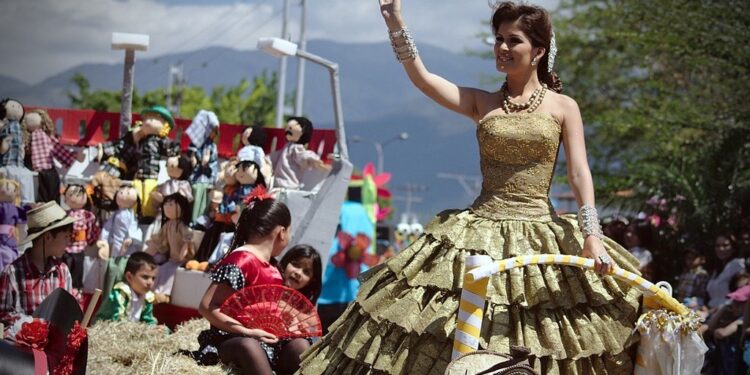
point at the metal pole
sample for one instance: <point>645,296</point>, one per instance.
<point>282,71</point>
<point>126,102</point>
<point>379,146</point>
<point>408,199</point>
<point>170,80</point>
<point>333,69</point>
<point>180,85</point>
<point>298,104</point>
<point>341,135</point>
<point>381,158</point>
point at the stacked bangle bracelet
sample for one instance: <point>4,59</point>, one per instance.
<point>403,45</point>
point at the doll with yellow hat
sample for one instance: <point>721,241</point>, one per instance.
<point>153,146</point>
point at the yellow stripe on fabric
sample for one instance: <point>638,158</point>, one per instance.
<point>535,259</point>
<point>469,307</point>
<point>473,319</point>
<point>468,328</point>
<point>639,280</point>
<point>479,288</point>
<point>566,259</point>
<point>462,348</point>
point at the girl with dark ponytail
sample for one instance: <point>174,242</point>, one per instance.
<point>263,231</point>
<point>409,309</point>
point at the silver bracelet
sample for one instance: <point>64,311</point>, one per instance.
<point>403,45</point>
<point>588,222</point>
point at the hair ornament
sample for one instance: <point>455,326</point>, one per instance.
<point>259,193</point>
<point>552,53</point>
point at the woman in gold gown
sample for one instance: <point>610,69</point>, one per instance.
<point>574,321</point>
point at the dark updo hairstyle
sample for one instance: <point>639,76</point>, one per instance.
<point>259,219</point>
<point>315,286</point>
<point>307,129</point>
<point>535,22</point>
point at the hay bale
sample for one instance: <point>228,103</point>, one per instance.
<point>137,348</point>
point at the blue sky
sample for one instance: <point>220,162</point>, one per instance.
<point>49,36</point>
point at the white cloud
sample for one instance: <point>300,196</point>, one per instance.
<point>44,37</point>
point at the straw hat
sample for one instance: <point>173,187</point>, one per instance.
<point>45,218</point>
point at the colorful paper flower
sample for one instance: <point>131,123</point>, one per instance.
<point>33,334</point>
<point>353,253</point>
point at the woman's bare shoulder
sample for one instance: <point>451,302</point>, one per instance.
<point>561,106</point>
<point>486,102</point>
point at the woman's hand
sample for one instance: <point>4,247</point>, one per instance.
<point>391,11</point>
<point>260,335</point>
<point>594,249</point>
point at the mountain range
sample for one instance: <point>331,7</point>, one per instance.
<point>378,100</point>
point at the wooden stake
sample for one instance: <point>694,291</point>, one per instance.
<point>91,307</point>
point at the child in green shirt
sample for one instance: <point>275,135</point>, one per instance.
<point>132,298</point>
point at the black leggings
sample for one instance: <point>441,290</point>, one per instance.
<point>247,354</point>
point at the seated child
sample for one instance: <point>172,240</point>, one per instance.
<point>132,298</point>
<point>263,231</point>
<point>26,282</point>
<point>303,271</point>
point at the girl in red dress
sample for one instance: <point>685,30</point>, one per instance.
<point>263,231</point>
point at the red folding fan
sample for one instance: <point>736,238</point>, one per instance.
<point>276,309</point>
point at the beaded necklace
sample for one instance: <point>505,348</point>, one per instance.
<point>530,106</point>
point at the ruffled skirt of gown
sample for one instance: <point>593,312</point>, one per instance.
<point>405,314</point>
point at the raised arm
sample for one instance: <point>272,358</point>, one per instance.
<point>579,177</point>
<point>459,99</point>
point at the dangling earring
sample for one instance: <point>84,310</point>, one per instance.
<point>533,61</point>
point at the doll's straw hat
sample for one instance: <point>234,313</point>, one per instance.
<point>45,218</point>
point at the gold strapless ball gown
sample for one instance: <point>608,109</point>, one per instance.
<point>574,322</point>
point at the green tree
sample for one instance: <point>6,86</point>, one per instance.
<point>662,86</point>
<point>260,105</point>
<point>241,104</point>
<point>99,100</point>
